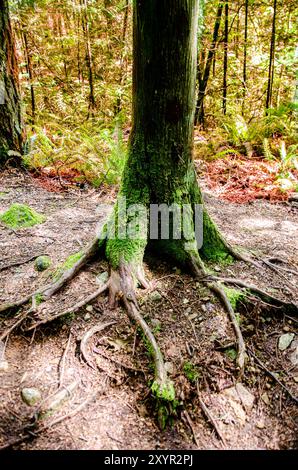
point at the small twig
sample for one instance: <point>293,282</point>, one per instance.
<point>262,365</point>
<point>62,362</point>
<point>190,424</point>
<point>209,416</point>
<point>87,336</point>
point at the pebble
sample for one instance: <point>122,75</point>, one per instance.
<point>285,341</point>
<point>30,396</point>
<point>155,296</point>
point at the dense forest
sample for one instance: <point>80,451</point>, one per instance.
<point>148,151</point>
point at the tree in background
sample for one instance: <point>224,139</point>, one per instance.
<point>11,128</point>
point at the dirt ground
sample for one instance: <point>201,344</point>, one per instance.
<point>110,395</point>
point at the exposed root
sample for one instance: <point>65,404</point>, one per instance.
<point>47,291</point>
<point>122,285</point>
<point>87,336</point>
<point>217,288</point>
<point>241,349</point>
<point>290,307</point>
<point>72,309</point>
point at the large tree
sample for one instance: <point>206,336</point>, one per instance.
<point>11,131</point>
<point>159,171</point>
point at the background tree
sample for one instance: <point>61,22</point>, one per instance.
<point>11,130</point>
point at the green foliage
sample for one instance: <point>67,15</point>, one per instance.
<point>21,216</point>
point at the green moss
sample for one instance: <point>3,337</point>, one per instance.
<point>42,263</point>
<point>39,299</point>
<point>130,251</point>
<point>21,216</point>
<point>235,296</point>
<point>165,392</point>
<point>231,353</point>
<point>190,371</point>
<point>68,263</point>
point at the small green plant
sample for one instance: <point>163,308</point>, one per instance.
<point>21,216</point>
<point>191,372</point>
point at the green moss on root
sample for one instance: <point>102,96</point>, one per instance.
<point>235,296</point>
<point>68,264</point>
<point>164,392</point>
<point>21,216</point>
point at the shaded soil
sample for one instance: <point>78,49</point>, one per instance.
<point>192,329</point>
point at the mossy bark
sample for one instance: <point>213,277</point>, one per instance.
<point>11,128</point>
<point>160,168</point>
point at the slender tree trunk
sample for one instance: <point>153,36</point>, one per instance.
<point>11,128</point>
<point>271,60</point>
<point>159,168</point>
<point>225,71</point>
<point>199,116</point>
<point>89,59</point>
<point>30,73</point>
<point>244,83</point>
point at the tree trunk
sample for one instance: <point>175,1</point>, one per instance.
<point>225,71</point>
<point>245,56</point>
<point>271,60</point>
<point>11,131</point>
<point>159,168</point>
<point>199,115</point>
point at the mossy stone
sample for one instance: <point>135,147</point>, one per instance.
<point>42,263</point>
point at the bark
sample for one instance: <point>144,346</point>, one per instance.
<point>11,130</point>
<point>160,167</point>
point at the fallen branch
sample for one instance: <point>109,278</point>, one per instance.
<point>262,365</point>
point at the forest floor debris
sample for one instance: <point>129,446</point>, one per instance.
<point>192,330</point>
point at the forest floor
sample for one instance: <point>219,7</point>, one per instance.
<point>190,325</point>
